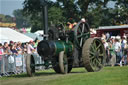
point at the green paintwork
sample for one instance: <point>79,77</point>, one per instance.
<point>67,47</point>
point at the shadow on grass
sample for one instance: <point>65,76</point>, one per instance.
<point>77,72</point>
<point>44,73</point>
<point>35,75</point>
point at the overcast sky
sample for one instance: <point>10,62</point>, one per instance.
<point>8,6</point>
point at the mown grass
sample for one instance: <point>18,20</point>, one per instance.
<point>78,76</point>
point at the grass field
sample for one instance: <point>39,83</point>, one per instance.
<point>78,76</point>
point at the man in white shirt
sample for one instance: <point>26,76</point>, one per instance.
<point>118,50</point>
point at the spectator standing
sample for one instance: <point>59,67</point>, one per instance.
<point>106,46</point>
<point>117,50</point>
<point>36,43</point>
<point>13,49</point>
<point>103,36</point>
<point>5,47</point>
<point>1,53</point>
<point>11,43</point>
<point>19,50</point>
<point>30,49</point>
<point>124,51</point>
<point>8,51</point>
<point>112,54</point>
<point>24,48</point>
<point>107,36</point>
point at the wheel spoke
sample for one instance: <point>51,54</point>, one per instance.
<point>92,62</point>
<point>95,64</point>
<point>83,28</point>
<point>92,53</point>
<point>94,44</point>
<point>93,49</point>
<point>98,47</point>
<point>99,63</point>
<point>101,54</point>
<point>92,58</point>
<point>79,36</point>
<point>81,40</point>
<point>100,60</point>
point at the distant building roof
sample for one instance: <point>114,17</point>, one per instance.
<point>113,27</point>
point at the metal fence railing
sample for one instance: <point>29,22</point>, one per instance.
<point>15,64</point>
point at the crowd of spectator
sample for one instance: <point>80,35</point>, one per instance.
<point>18,47</point>
<point>116,49</point>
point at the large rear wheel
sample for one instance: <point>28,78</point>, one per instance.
<point>93,54</point>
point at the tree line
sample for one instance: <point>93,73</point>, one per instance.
<point>96,12</point>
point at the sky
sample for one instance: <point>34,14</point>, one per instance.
<point>8,6</point>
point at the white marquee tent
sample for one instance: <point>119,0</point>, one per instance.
<point>7,34</point>
<point>39,32</point>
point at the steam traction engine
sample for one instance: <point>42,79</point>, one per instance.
<point>63,47</point>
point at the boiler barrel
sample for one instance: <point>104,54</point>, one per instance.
<point>51,48</point>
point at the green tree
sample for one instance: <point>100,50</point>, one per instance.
<point>70,9</point>
<point>122,11</point>
<point>96,12</point>
<point>21,21</point>
<point>2,18</point>
<point>6,18</point>
<point>55,15</point>
<point>99,14</point>
<point>34,9</point>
